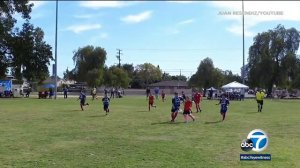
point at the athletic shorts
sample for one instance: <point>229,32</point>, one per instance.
<point>186,112</point>
<point>197,102</point>
<point>261,102</point>
<point>174,109</point>
<point>223,111</point>
<point>82,102</point>
<point>105,106</point>
<point>150,103</point>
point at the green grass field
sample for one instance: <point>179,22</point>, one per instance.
<point>56,133</point>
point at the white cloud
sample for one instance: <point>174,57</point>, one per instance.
<point>257,12</point>
<point>88,16</point>
<point>172,30</point>
<point>137,18</point>
<point>103,36</point>
<point>103,4</point>
<point>238,30</point>
<point>83,27</point>
<point>83,16</point>
<point>98,38</point>
<point>38,4</point>
<point>184,22</point>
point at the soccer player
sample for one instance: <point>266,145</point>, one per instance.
<point>163,95</point>
<point>260,99</point>
<point>65,92</point>
<point>94,92</point>
<point>105,101</point>
<point>147,92</point>
<point>175,106</point>
<point>156,91</point>
<point>224,103</point>
<point>188,109</point>
<point>183,96</point>
<point>197,99</point>
<point>82,98</point>
<point>151,101</point>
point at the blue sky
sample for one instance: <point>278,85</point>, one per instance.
<point>174,35</point>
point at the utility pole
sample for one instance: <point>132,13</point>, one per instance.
<point>243,68</point>
<point>56,14</point>
<point>119,57</point>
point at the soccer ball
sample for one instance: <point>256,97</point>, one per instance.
<point>180,111</point>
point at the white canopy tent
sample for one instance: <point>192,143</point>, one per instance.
<point>235,86</point>
<point>212,88</point>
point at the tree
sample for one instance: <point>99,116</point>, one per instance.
<point>30,55</point>
<point>89,65</point>
<point>129,68</point>
<point>179,77</point>
<point>147,73</point>
<point>272,58</point>
<point>117,77</point>
<point>166,76</point>
<point>7,23</point>
<point>296,80</point>
<point>229,77</point>
<point>204,77</point>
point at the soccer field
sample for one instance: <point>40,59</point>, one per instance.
<point>56,133</point>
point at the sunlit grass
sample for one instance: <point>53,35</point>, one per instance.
<point>56,133</point>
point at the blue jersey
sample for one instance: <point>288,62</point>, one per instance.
<point>105,101</point>
<point>176,102</point>
<point>156,90</point>
<point>224,103</point>
<point>82,96</point>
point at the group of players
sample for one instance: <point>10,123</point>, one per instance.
<point>105,101</point>
<point>176,103</point>
<point>187,109</point>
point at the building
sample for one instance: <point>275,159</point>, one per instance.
<point>172,86</point>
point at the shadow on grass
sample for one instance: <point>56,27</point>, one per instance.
<point>77,110</point>
<point>213,122</point>
<point>143,111</point>
<point>166,122</point>
<point>104,115</point>
<point>252,112</point>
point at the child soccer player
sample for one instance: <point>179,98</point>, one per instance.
<point>82,98</point>
<point>224,103</point>
<point>197,99</point>
<point>175,107</point>
<point>105,101</point>
<point>183,96</point>
<point>151,101</point>
<point>188,109</point>
<point>163,95</point>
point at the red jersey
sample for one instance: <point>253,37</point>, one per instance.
<point>151,99</point>
<point>197,97</point>
<point>188,105</point>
